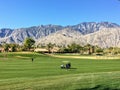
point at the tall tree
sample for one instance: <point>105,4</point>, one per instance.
<point>6,47</point>
<point>28,43</point>
<point>13,47</point>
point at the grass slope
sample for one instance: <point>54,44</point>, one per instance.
<point>18,72</point>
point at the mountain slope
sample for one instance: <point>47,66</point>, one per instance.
<point>62,38</point>
<point>5,32</point>
<point>107,37</point>
<point>36,32</point>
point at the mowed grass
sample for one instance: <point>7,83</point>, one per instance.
<point>18,72</point>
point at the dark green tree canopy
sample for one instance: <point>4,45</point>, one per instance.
<point>28,43</point>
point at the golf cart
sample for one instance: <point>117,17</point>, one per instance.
<point>65,65</point>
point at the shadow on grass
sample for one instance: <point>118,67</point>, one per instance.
<point>70,68</point>
<point>73,68</point>
<point>98,87</point>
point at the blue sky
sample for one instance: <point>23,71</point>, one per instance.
<point>26,13</point>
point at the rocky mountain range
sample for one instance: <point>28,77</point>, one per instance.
<point>103,34</point>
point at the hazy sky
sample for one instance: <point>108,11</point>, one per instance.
<point>25,13</point>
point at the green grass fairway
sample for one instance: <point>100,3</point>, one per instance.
<point>18,72</point>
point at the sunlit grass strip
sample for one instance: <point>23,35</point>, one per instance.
<point>85,57</point>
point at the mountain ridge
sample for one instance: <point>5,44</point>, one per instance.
<point>43,31</point>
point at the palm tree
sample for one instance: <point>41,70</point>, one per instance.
<point>93,49</point>
<point>88,47</point>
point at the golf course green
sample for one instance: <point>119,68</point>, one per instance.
<point>19,72</point>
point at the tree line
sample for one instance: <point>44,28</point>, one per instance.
<point>12,47</point>
<point>29,45</point>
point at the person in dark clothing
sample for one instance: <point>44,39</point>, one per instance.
<point>68,66</point>
<point>32,59</point>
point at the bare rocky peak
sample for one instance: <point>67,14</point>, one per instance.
<point>91,27</point>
